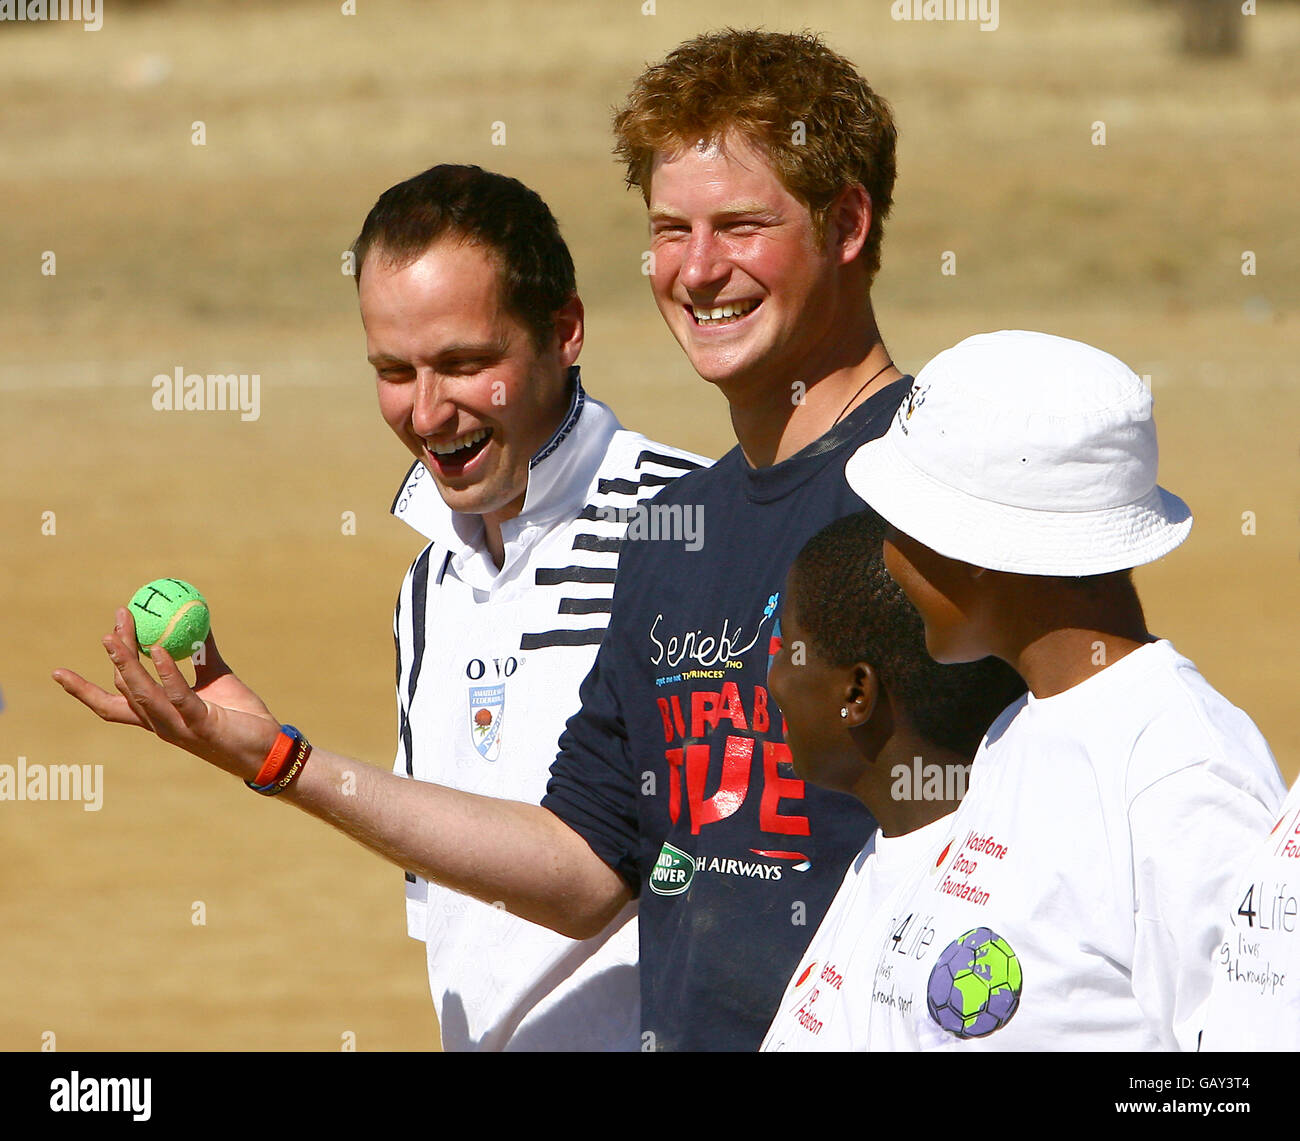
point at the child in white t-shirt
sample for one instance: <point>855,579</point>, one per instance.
<point>1076,898</point>
<point>868,712</point>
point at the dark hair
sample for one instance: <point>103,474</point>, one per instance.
<point>852,611</point>
<point>497,213</point>
<point>1120,580</point>
<point>806,107</point>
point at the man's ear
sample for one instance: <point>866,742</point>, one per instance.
<point>848,222</point>
<point>861,695</point>
<point>569,330</point>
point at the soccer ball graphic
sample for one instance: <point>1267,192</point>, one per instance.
<point>974,988</point>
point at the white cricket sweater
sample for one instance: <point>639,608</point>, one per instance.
<point>489,665</point>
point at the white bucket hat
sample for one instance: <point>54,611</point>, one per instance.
<point>1028,453</point>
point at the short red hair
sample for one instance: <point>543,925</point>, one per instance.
<point>806,108</point>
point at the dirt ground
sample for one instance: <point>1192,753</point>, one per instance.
<point>226,257</point>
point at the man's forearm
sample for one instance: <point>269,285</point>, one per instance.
<point>501,851</point>
<point>504,852</point>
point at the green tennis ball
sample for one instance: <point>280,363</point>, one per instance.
<point>170,613</point>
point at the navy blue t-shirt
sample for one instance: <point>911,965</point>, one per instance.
<point>675,769</point>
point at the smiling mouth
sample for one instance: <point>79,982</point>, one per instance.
<point>451,457</point>
<point>714,316</point>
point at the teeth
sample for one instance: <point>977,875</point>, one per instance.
<point>722,312</point>
<point>460,442</point>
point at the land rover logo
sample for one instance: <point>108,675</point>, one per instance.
<point>672,872</point>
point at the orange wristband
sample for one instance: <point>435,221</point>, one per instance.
<point>275,758</point>
<point>283,762</point>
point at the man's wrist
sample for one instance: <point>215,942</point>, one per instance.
<point>284,760</point>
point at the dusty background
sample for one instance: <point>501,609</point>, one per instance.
<point>226,258</point>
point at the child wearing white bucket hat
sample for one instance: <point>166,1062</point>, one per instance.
<point>1076,899</point>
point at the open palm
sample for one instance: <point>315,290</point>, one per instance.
<point>219,719</point>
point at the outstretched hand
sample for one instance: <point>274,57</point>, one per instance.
<point>219,719</point>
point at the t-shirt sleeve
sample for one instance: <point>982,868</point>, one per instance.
<point>1192,833</point>
<point>592,787</point>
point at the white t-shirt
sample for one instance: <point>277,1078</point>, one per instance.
<point>1255,1000</point>
<point>1077,895</point>
<point>489,665</point>
<point>828,999</point>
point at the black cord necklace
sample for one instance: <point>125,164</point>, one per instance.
<point>888,364</point>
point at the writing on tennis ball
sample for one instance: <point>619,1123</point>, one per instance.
<point>169,612</point>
